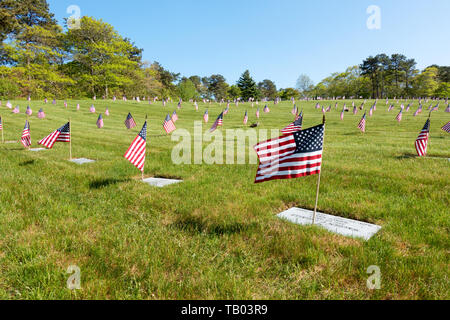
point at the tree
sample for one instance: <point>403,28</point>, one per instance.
<point>304,84</point>
<point>425,84</point>
<point>443,91</point>
<point>288,93</point>
<point>409,70</point>
<point>247,86</point>
<point>217,86</point>
<point>268,89</point>
<point>103,60</point>
<point>199,86</point>
<point>186,90</point>
<point>234,92</point>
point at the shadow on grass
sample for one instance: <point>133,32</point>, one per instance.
<point>159,176</point>
<point>27,163</point>
<point>407,156</point>
<point>102,183</point>
<point>196,225</point>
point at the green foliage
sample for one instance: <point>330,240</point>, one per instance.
<point>186,90</point>
<point>268,89</point>
<point>288,93</point>
<point>8,89</point>
<point>234,92</point>
<point>217,86</point>
<point>247,86</point>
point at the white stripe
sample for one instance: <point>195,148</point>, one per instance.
<point>288,172</point>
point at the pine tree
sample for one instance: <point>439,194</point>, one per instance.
<point>248,86</point>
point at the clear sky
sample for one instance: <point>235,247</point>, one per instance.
<point>274,39</point>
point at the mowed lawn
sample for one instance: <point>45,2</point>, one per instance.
<point>216,235</point>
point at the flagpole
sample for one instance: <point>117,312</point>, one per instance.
<point>145,150</point>
<point>3,128</point>
<point>29,147</point>
<point>70,140</point>
<point>320,174</point>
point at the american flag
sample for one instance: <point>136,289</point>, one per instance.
<point>136,152</point>
<point>370,111</point>
<point>362,123</point>
<point>1,124</point>
<point>291,156</point>
<point>60,135</point>
<point>46,101</point>
<point>168,124</point>
<point>294,110</point>
<point>107,112</point>
<point>219,122</point>
<point>206,116</point>
<point>446,127</point>
<point>54,101</point>
<point>355,110</point>
<point>92,109</point>
<point>342,114</point>
<point>317,105</point>
<point>257,113</point>
<point>179,104</point>
<point>328,109</point>
<point>391,107</point>
<point>29,112</point>
<point>266,109</point>
<point>9,105</point>
<point>422,141</point>
<point>41,114</point>
<point>174,117</point>
<point>294,126</point>
<point>225,112</point>
<point>16,109</point>
<point>129,121</point>
<point>408,107</point>
<point>196,105</point>
<point>65,104</point>
<point>448,108</point>
<point>26,138</point>
<point>100,121</point>
<point>399,116</point>
<point>435,108</point>
<point>245,117</point>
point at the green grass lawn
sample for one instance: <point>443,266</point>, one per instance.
<point>216,235</point>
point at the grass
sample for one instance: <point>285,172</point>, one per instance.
<point>215,236</point>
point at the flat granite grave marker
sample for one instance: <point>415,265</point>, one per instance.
<point>37,149</point>
<point>82,161</point>
<point>160,183</point>
<point>339,225</point>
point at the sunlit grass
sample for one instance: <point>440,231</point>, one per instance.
<point>215,236</point>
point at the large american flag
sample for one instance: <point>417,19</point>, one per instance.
<point>26,138</point>
<point>362,123</point>
<point>129,121</point>
<point>446,127</point>
<point>168,124</point>
<point>294,126</point>
<point>422,141</point>
<point>60,135</point>
<point>219,122</point>
<point>136,152</point>
<point>291,156</point>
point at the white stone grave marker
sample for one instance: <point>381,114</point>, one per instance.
<point>160,183</point>
<point>339,225</point>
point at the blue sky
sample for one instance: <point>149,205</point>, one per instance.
<point>277,40</point>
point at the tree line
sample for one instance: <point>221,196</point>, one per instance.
<point>39,58</point>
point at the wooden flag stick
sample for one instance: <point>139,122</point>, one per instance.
<point>70,140</point>
<point>3,128</point>
<point>142,172</point>
<point>320,174</point>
